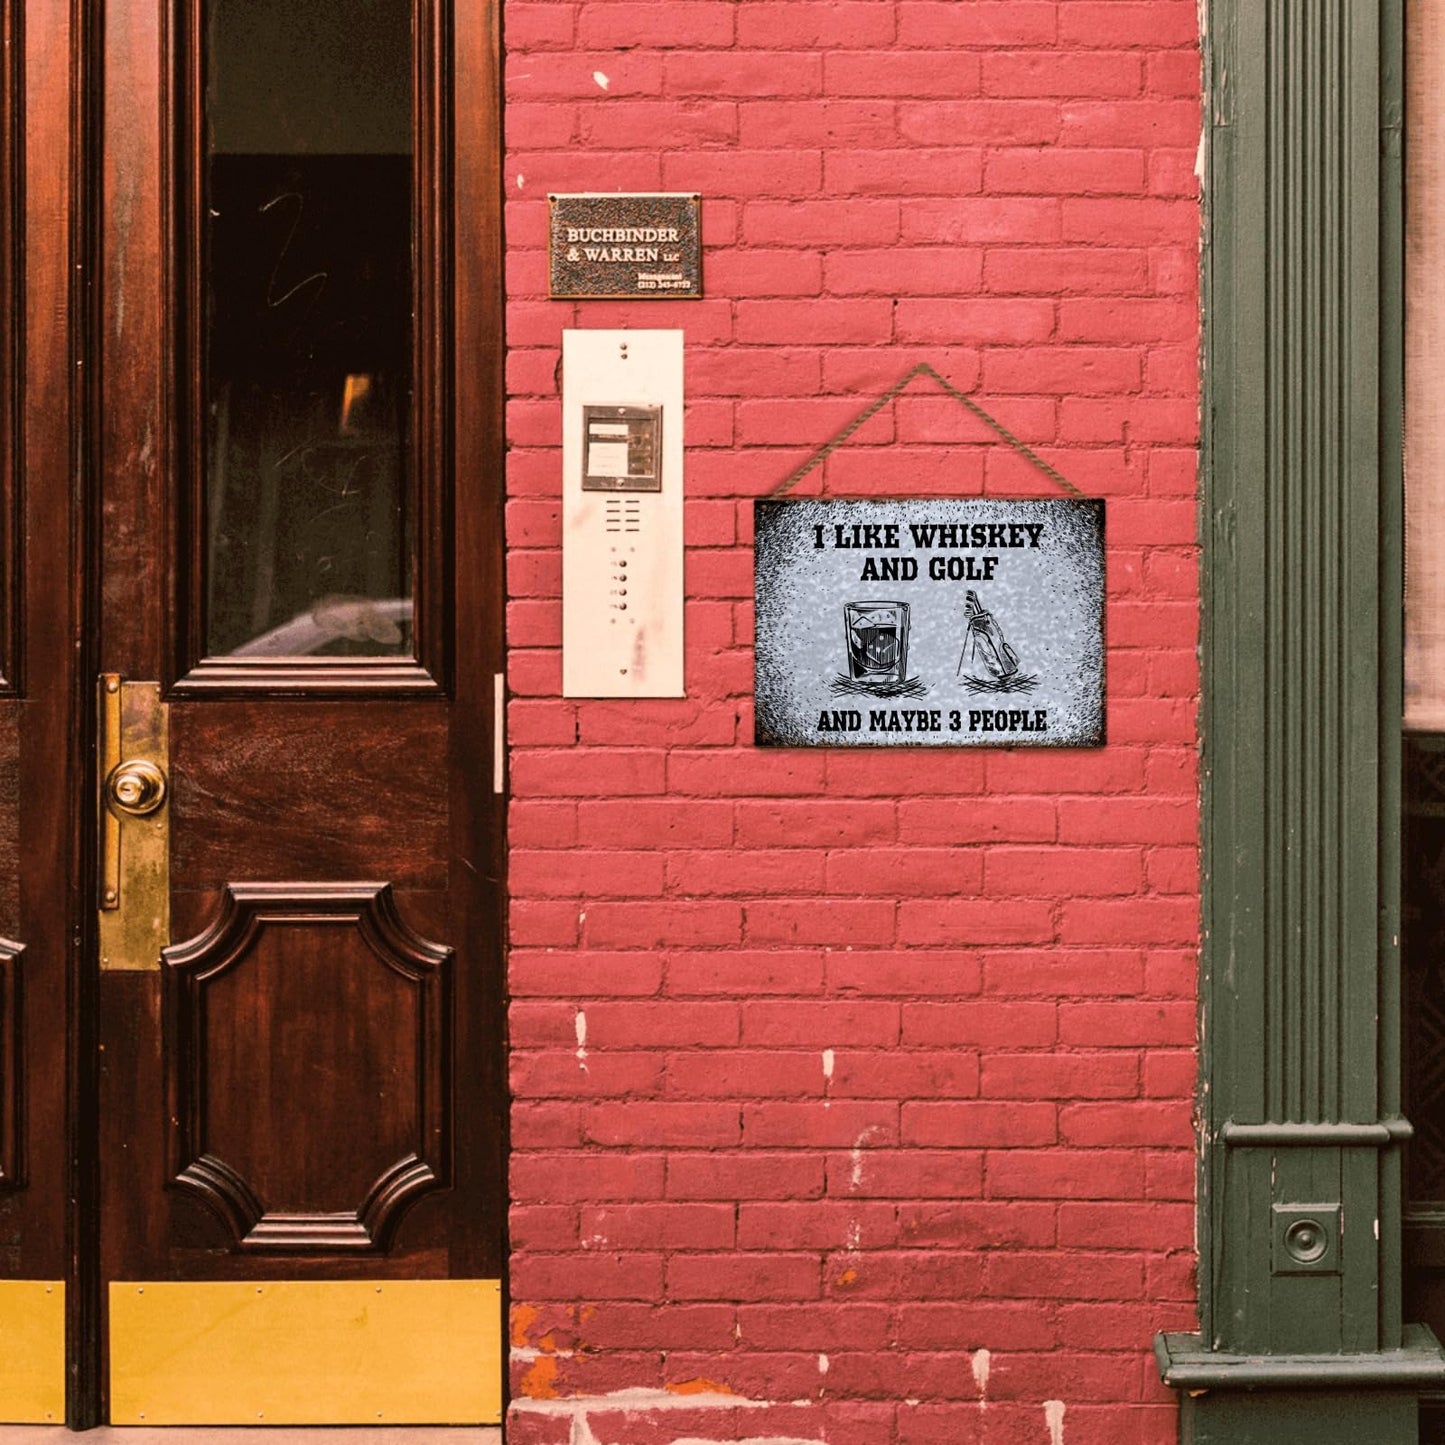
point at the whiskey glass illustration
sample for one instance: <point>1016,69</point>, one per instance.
<point>877,639</point>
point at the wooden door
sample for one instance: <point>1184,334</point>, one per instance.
<point>258,868</point>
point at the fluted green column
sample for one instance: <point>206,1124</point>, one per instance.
<point>1300,1182</point>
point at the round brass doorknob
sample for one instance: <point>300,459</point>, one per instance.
<point>136,788</point>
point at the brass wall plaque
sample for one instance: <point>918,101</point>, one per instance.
<point>608,245</point>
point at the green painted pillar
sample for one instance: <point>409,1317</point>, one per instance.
<point>1300,1181</point>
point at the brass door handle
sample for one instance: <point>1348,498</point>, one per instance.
<point>136,788</point>
<point>133,762</point>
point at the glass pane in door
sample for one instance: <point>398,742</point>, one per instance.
<point>307,295</point>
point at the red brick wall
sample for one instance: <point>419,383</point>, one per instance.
<point>852,1088</point>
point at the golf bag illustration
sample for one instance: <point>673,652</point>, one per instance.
<point>985,650</point>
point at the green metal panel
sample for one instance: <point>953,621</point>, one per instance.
<point>1294,1418</point>
<point>1301,530</point>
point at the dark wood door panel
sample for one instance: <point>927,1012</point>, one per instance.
<point>309,789</point>
<point>155,1229</point>
<point>40,782</point>
<point>134,435</point>
<point>12,1014</point>
<point>10,713</point>
<point>12,1036</point>
<point>309,1066</point>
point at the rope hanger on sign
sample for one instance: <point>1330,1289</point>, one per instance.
<point>874,407</point>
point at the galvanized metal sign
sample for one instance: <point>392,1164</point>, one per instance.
<point>929,623</point>
<point>608,245</point>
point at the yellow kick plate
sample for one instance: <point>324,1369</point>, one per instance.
<point>302,1352</point>
<point>32,1356</point>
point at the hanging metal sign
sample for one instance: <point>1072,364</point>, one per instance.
<point>609,245</point>
<point>945,623</point>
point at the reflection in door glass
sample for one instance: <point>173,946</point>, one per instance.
<point>307,284</point>
<point>1423,959</point>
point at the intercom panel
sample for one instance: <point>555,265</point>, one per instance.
<point>622,584</point>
